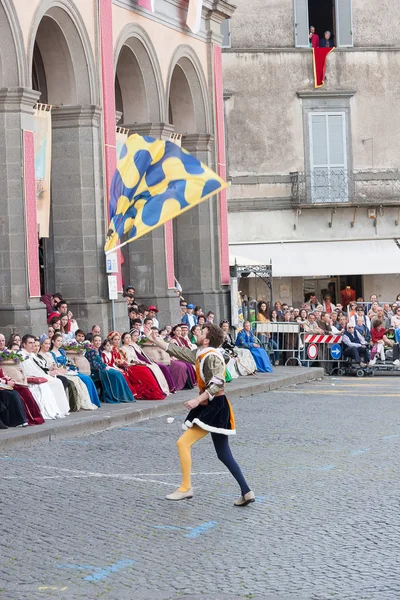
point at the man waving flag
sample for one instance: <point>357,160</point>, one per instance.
<point>155,181</point>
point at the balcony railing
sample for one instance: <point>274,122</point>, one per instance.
<point>336,185</point>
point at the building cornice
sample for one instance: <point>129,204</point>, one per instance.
<point>213,10</point>
<point>325,94</point>
<point>307,50</point>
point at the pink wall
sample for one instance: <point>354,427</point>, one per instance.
<point>30,215</point>
<point>109,124</point>
<point>223,203</point>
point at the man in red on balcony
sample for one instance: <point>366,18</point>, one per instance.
<point>313,37</point>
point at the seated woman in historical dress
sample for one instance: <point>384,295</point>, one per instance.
<point>244,361</point>
<point>245,339</point>
<point>114,387</point>
<point>12,412</point>
<point>145,389</point>
<point>50,395</point>
<point>60,358</point>
<point>50,368</point>
<point>133,354</point>
<point>141,378</point>
<point>156,366</point>
<point>32,410</point>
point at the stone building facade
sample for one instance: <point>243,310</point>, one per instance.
<point>99,63</point>
<point>315,172</point>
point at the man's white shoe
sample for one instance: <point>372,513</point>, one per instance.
<point>396,363</point>
<point>177,495</point>
<point>246,499</point>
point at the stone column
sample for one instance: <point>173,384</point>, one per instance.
<point>196,235</point>
<point>78,213</point>
<point>18,312</point>
<point>145,259</point>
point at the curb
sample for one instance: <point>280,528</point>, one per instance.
<point>129,414</point>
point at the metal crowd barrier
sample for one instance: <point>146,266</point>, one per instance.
<point>287,343</point>
<point>281,340</point>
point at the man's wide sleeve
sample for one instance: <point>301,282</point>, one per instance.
<point>182,353</point>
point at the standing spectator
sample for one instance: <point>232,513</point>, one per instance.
<point>96,330</point>
<point>395,321</point>
<point>130,295</point>
<point>198,310</point>
<point>380,315</point>
<point>210,317</point>
<point>153,310</point>
<point>326,41</point>
<point>325,323</point>
<point>362,329</point>
<point>189,318</point>
<point>278,308</point>
<point>313,37</point>
<point>354,348</point>
<point>50,301</point>
<point>262,312</point>
<point>313,302</point>
<point>183,306</point>
<point>360,314</point>
<point>373,298</point>
<point>201,320</point>
<point>378,336</point>
<point>310,325</point>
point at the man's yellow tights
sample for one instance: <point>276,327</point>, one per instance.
<point>184,444</point>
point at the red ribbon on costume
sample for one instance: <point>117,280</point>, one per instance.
<point>319,60</point>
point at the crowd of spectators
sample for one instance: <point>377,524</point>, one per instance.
<point>67,369</point>
<point>366,328</point>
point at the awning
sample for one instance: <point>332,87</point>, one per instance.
<point>314,259</point>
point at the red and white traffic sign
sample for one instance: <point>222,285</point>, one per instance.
<point>312,351</point>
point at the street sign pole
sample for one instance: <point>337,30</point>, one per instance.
<point>111,270</point>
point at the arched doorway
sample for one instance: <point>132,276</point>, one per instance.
<point>195,232</point>
<point>63,71</point>
<point>141,102</point>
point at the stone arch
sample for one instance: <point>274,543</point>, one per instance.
<point>58,37</point>
<point>136,61</point>
<point>187,93</point>
<point>13,67</point>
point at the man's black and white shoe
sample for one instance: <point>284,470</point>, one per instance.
<point>246,499</point>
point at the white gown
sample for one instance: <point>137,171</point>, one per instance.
<point>50,396</point>
<point>83,398</point>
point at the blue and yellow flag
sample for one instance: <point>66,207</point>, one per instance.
<point>155,181</point>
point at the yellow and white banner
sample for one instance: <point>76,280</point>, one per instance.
<point>43,141</point>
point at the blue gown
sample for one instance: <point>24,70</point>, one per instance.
<point>245,339</point>
<point>115,388</point>
<point>62,361</point>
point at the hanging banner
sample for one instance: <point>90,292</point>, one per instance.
<point>43,140</point>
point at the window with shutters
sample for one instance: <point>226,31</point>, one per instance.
<point>226,33</point>
<point>328,179</point>
<point>334,16</point>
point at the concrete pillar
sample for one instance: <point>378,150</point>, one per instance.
<point>145,259</point>
<point>196,235</point>
<point>18,312</point>
<point>78,214</point>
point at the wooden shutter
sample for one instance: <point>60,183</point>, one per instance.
<point>328,180</point>
<point>301,26</point>
<point>226,32</point>
<point>344,25</point>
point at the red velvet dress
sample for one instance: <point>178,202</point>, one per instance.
<point>33,414</point>
<point>140,379</point>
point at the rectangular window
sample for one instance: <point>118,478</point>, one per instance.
<point>226,33</point>
<point>334,16</point>
<point>328,178</point>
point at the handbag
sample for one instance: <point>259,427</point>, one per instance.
<point>36,380</point>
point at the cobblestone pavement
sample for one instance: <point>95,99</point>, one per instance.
<point>86,517</point>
